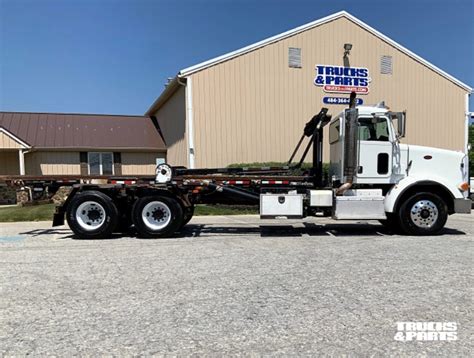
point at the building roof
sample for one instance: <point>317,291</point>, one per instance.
<point>82,131</point>
<point>14,138</point>
<point>169,90</point>
<point>239,52</point>
<point>214,61</point>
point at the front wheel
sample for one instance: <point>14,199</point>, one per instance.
<point>423,214</point>
<point>157,216</point>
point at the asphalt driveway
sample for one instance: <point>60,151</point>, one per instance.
<point>234,286</point>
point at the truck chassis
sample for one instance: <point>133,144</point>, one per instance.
<point>160,206</point>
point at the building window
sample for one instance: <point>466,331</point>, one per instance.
<point>386,65</point>
<point>100,163</point>
<point>294,57</point>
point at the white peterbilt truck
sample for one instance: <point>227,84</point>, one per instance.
<point>372,176</point>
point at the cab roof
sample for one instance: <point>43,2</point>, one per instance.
<point>367,110</point>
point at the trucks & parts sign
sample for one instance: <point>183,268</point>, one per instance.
<point>339,79</point>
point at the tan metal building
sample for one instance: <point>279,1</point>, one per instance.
<point>250,105</point>
<point>78,144</point>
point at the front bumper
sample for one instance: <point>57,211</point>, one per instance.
<point>462,206</point>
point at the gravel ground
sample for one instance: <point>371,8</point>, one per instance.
<point>234,286</point>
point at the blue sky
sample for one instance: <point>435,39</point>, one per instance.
<point>113,56</point>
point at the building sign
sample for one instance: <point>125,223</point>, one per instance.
<point>340,79</point>
<point>341,100</point>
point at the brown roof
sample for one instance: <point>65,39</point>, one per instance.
<point>58,130</point>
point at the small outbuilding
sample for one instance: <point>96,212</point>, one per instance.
<point>250,105</point>
<point>41,144</point>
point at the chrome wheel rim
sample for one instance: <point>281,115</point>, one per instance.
<point>424,214</point>
<point>156,215</point>
<point>90,215</point>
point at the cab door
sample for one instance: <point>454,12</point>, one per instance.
<point>375,149</point>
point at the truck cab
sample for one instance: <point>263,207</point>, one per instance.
<point>438,178</point>
<point>381,159</point>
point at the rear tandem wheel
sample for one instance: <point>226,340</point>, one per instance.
<point>92,215</point>
<point>157,216</point>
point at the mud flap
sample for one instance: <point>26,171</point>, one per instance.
<point>58,218</point>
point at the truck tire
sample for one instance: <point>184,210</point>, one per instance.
<point>92,215</point>
<point>188,215</point>
<point>157,216</point>
<point>423,214</point>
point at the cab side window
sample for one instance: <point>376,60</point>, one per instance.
<point>373,129</point>
<point>334,132</point>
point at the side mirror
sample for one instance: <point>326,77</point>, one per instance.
<point>400,117</point>
<point>401,124</point>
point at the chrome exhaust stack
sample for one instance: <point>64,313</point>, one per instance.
<point>351,145</point>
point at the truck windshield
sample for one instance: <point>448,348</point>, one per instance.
<point>373,129</point>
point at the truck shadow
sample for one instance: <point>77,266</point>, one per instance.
<point>264,231</point>
<point>308,229</point>
<point>64,233</point>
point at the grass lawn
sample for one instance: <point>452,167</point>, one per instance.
<point>27,213</point>
<point>224,210</point>
<point>45,212</point>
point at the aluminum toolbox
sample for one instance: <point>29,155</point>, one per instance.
<point>320,198</point>
<point>275,205</point>
<point>359,208</point>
